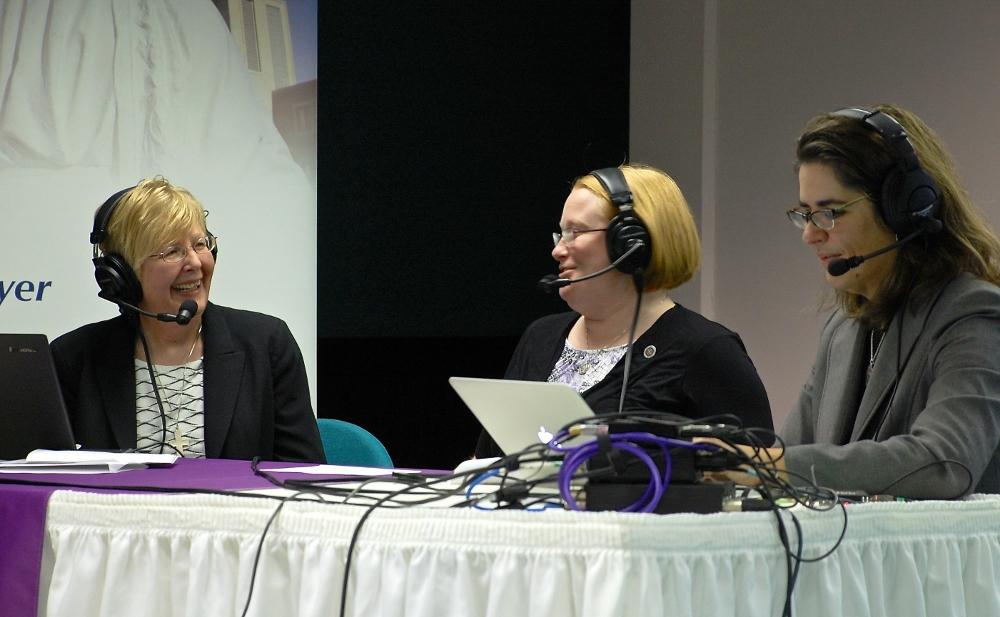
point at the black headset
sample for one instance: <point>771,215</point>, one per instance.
<point>910,198</point>
<point>115,277</point>
<point>626,228</point>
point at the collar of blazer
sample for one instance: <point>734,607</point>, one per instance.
<point>900,340</point>
<point>224,368</point>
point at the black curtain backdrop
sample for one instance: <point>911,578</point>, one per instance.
<point>449,134</point>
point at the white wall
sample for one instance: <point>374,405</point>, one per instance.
<point>768,67</point>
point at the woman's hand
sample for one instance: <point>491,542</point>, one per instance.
<point>772,458</point>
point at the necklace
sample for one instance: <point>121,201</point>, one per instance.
<point>586,334</point>
<point>179,442</point>
<point>873,347</point>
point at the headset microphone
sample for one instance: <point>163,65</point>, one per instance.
<point>186,312</point>
<point>551,282</point>
<point>839,267</point>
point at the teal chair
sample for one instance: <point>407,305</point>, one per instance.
<point>345,443</point>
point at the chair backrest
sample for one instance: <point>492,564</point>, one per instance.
<point>345,443</point>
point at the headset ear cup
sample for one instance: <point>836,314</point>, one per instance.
<point>116,279</point>
<point>623,231</point>
<point>891,203</point>
<point>215,251</point>
<point>908,198</point>
<point>921,198</point>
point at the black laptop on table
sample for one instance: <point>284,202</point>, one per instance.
<point>32,412</point>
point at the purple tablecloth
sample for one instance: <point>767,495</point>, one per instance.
<point>23,506</point>
<point>22,528</point>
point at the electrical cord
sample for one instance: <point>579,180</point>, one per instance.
<point>774,488</point>
<point>315,488</point>
<point>793,557</point>
<point>156,391</point>
<point>503,468</point>
<point>357,532</point>
<point>260,549</point>
<point>476,481</point>
<point>943,461</point>
<point>632,443</point>
<point>387,498</point>
<point>778,494</point>
<point>637,278</point>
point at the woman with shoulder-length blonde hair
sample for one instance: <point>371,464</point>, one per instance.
<point>175,373</point>
<point>626,239</point>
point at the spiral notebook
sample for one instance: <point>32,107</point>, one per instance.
<point>32,412</point>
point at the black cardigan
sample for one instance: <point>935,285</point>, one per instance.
<point>684,364</point>
<point>256,390</point>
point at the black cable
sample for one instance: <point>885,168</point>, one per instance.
<point>321,487</point>
<point>260,549</point>
<point>318,490</point>
<point>843,532</point>
<point>357,531</point>
<point>178,490</point>
<point>790,570</point>
<point>426,483</point>
<point>512,490</point>
<point>156,390</point>
<point>773,487</point>
<point>943,461</point>
<point>793,576</point>
<point>770,479</point>
<point>637,277</point>
<point>133,488</point>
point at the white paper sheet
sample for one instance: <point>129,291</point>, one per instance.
<point>343,470</point>
<point>84,462</point>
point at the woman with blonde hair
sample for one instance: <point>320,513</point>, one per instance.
<point>175,373</point>
<point>626,239</point>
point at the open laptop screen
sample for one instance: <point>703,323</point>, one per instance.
<point>32,412</point>
<point>518,414</point>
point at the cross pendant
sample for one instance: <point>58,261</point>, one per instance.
<point>178,442</point>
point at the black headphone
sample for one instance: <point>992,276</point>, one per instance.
<point>115,277</point>
<point>626,229</point>
<point>910,198</point>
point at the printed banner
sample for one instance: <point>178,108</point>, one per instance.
<point>97,94</point>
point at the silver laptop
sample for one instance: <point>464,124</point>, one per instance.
<point>518,414</point>
<point>32,412</point>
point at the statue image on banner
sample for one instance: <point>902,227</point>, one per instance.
<point>97,94</point>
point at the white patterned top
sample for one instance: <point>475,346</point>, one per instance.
<point>582,368</point>
<point>182,392</point>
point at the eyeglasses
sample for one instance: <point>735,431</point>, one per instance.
<point>824,218</point>
<point>175,252</point>
<point>568,235</point>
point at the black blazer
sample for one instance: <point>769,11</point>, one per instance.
<point>256,390</point>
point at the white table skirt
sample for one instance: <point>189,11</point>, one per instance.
<point>111,555</point>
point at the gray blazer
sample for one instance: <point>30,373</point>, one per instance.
<point>946,405</point>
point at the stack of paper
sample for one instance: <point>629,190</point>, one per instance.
<point>84,461</point>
